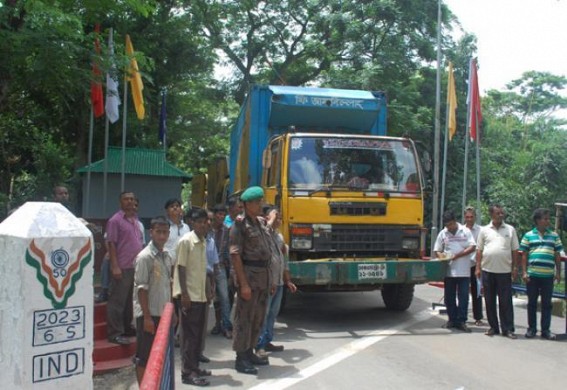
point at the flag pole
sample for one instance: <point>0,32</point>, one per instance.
<point>465,170</point>
<point>467,141</point>
<point>124,121</point>
<point>165,130</point>
<point>477,169</point>
<point>163,119</point>
<point>123,163</point>
<point>437,133</point>
<point>106,142</point>
<point>105,169</point>
<point>445,146</point>
<point>89,161</point>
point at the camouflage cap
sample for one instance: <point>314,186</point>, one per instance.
<point>252,193</point>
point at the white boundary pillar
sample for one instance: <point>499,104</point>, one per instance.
<point>46,299</point>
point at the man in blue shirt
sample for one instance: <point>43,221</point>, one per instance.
<point>541,261</point>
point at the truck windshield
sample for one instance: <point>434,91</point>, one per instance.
<point>354,163</point>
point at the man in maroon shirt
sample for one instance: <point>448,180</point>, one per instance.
<point>124,240</point>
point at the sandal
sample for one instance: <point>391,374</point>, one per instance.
<point>195,381</point>
<point>202,372</point>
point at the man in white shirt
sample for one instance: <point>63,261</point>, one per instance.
<point>497,259</point>
<point>455,243</point>
<point>177,228</point>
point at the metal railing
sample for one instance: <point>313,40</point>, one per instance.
<point>160,370</point>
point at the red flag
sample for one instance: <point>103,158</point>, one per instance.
<point>97,99</point>
<point>473,102</point>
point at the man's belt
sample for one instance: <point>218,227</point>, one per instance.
<point>255,263</point>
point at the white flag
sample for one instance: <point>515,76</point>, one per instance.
<point>112,97</point>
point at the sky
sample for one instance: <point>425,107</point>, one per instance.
<point>514,36</point>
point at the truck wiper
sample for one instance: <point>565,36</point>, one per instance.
<point>326,188</point>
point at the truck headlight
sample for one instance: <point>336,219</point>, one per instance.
<point>301,236</point>
<point>301,243</point>
<point>410,243</point>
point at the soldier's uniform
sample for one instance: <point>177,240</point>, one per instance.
<point>249,238</point>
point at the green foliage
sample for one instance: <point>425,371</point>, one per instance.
<point>387,45</point>
<point>522,148</point>
<point>33,159</point>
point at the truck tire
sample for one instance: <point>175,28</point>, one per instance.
<point>397,297</point>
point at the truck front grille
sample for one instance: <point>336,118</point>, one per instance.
<point>357,208</point>
<point>355,238</point>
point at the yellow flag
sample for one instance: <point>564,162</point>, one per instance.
<point>135,80</point>
<point>451,104</point>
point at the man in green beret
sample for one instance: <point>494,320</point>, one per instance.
<point>250,254</point>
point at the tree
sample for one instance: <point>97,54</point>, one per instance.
<point>523,153</point>
<point>301,42</point>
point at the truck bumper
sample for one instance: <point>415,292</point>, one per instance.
<point>339,274</point>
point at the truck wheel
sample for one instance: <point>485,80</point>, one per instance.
<point>397,297</point>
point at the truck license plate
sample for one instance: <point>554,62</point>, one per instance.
<point>372,271</point>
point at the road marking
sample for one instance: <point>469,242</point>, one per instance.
<point>343,353</point>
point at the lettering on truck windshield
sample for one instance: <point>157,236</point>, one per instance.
<point>356,164</point>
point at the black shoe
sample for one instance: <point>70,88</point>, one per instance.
<point>244,366</point>
<point>130,332</point>
<point>204,359</point>
<point>102,297</point>
<point>548,335</point>
<point>216,329</point>
<point>448,325</point>
<point>194,380</point>
<point>121,340</point>
<point>510,335</point>
<point>257,360</point>
<point>274,348</point>
<point>491,332</point>
<point>463,327</point>
<point>530,334</point>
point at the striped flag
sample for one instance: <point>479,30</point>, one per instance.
<point>135,80</point>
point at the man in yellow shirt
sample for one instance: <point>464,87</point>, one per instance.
<point>189,283</point>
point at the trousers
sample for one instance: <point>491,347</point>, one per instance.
<point>537,287</point>
<point>267,332</point>
<point>119,308</point>
<point>457,298</point>
<point>498,286</point>
<point>248,319</point>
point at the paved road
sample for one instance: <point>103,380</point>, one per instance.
<point>349,340</point>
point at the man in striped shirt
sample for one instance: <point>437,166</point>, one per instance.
<point>541,261</point>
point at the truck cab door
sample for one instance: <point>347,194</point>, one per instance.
<point>271,172</point>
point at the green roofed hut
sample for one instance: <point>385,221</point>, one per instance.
<point>147,174</point>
